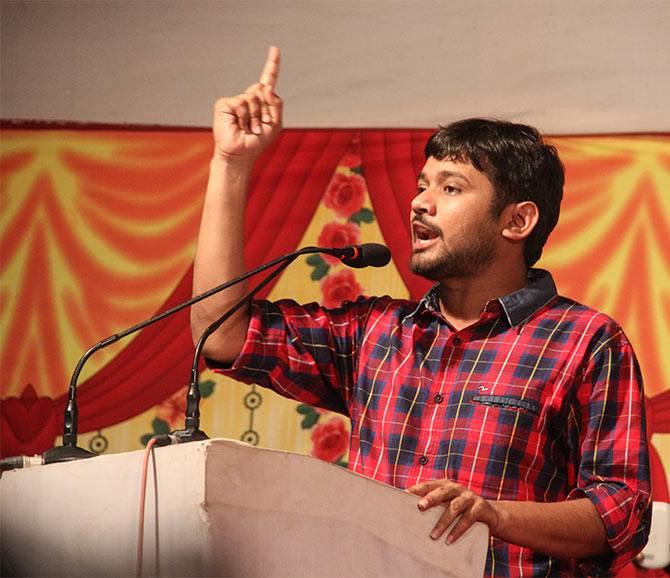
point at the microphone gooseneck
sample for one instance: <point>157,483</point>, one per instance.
<point>369,254</point>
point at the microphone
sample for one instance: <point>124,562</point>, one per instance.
<point>366,255</point>
<point>358,256</point>
<point>370,254</point>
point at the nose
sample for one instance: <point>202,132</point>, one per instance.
<point>423,203</point>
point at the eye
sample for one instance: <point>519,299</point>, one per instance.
<point>451,190</point>
<point>420,188</point>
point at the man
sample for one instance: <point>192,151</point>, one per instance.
<point>493,398</point>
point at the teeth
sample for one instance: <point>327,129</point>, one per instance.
<point>423,234</point>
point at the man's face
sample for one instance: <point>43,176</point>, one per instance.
<point>454,233</point>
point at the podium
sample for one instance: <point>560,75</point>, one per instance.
<point>221,508</point>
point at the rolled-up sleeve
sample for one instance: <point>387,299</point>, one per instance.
<point>304,352</point>
<point>613,455</point>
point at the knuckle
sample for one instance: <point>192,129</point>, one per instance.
<point>478,508</point>
<point>252,100</point>
<point>223,104</point>
<point>242,111</point>
<point>254,88</point>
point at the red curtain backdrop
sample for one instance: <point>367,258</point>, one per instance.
<point>610,251</point>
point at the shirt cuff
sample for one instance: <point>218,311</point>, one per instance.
<point>626,515</point>
<point>250,364</point>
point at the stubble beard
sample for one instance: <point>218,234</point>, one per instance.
<point>462,261</point>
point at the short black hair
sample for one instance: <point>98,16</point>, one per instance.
<point>517,161</point>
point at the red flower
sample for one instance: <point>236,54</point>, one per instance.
<point>340,287</point>
<point>330,440</point>
<point>338,235</point>
<point>173,409</point>
<point>29,423</point>
<point>345,194</point>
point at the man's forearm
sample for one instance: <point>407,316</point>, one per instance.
<point>243,127</point>
<point>569,529</point>
<point>220,256</point>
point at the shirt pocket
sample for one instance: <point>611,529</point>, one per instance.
<point>509,402</point>
<point>510,442</point>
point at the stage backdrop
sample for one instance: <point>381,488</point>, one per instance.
<point>98,231</point>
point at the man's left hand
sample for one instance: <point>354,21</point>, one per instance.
<point>457,501</point>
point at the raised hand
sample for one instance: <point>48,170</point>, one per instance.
<point>244,125</point>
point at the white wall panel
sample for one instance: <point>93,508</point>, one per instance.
<point>568,67</point>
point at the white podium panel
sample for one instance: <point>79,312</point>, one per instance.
<point>221,508</point>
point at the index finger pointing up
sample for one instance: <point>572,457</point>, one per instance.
<point>271,69</point>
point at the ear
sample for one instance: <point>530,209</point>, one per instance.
<point>519,220</point>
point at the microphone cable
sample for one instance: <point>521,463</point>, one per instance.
<point>156,441</point>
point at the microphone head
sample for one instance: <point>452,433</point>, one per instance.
<point>367,255</point>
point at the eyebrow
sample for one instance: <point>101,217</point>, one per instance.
<point>443,175</point>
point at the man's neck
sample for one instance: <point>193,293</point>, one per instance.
<point>462,300</point>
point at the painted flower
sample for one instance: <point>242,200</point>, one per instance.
<point>338,235</point>
<point>330,440</point>
<point>339,287</point>
<point>352,158</point>
<point>28,424</point>
<point>173,409</point>
<point>345,194</point>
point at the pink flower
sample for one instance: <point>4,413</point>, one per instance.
<point>330,440</point>
<point>345,194</point>
<point>338,235</point>
<point>339,287</point>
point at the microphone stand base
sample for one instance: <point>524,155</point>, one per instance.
<point>184,435</point>
<point>61,454</point>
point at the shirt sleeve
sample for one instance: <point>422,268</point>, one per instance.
<point>613,455</point>
<point>304,352</point>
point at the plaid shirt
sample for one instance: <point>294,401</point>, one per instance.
<point>539,400</point>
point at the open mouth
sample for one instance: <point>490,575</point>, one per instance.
<point>424,235</point>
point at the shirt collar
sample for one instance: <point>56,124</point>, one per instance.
<point>517,306</point>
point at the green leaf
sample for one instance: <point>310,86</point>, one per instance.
<point>315,260</point>
<point>160,426</point>
<point>319,272</point>
<point>310,420</point>
<point>365,215</point>
<point>304,409</point>
<point>207,387</point>
<point>144,440</point>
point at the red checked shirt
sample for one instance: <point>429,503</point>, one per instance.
<point>540,400</point>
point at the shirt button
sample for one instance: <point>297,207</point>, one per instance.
<point>457,341</point>
<point>438,398</point>
<point>423,460</point>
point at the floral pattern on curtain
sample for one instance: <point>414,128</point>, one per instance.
<point>98,231</point>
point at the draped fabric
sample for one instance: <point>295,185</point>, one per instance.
<point>286,188</point>
<point>391,162</point>
<point>157,362</point>
<point>98,229</point>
